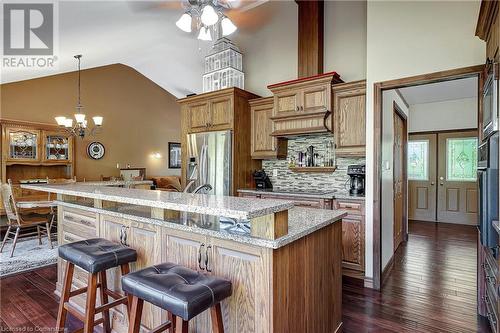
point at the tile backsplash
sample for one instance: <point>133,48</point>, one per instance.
<point>289,180</point>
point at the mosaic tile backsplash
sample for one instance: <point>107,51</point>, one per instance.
<point>291,181</point>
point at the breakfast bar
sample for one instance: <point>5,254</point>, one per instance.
<point>284,262</point>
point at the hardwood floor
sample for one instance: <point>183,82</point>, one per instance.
<point>432,288</point>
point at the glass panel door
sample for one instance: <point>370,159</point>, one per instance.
<point>418,160</point>
<point>23,145</point>
<point>56,148</point>
<point>461,159</point>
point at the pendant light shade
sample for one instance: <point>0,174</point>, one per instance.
<point>61,121</point>
<point>97,120</point>
<point>228,26</point>
<point>209,16</point>
<point>204,34</point>
<point>80,117</point>
<point>184,23</point>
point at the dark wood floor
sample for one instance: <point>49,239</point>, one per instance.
<point>432,288</point>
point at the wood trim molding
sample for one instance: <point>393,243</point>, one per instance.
<point>403,99</point>
<point>310,37</point>
<point>31,124</point>
<point>485,18</point>
<point>378,87</point>
<point>446,131</point>
<point>387,270</point>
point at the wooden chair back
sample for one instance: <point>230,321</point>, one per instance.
<point>9,204</point>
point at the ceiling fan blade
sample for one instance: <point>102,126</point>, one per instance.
<point>150,6</point>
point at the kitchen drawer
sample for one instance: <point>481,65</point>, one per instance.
<point>491,311</point>
<point>354,208</point>
<point>300,202</point>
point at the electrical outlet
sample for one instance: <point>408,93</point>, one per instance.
<point>275,173</point>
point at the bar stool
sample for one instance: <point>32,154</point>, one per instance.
<point>94,256</point>
<point>181,291</point>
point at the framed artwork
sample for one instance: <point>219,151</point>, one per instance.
<point>174,155</point>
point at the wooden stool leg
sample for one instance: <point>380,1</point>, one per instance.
<point>216,314</point>
<point>125,269</point>
<point>68,279</point>
<point>104,300</point>
<point>135,313</point>
<point>181,326</point>
<point>171,319</point>
<point>88,325</point>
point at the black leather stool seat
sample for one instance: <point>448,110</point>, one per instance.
<point>97,254</point>
<point>179,290</point>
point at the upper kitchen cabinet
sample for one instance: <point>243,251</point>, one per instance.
<point>303,106</point>
<point>222,110</point>
<point>488,28</point>
<point>211,113</point>
<point>264,145</point>
<point>349,118</point>
<point>57,147</point>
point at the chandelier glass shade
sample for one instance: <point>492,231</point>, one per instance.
<point>80,128</point>
<point>208,18</point>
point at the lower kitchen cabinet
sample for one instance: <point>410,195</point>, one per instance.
<point>353,226</point>
<point>246,266</point>
<point>145,239</point>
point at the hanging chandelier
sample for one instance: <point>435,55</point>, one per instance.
<point>208,19</point>
<point>80,128</point>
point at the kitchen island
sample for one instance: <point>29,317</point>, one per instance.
<point>284,262</point>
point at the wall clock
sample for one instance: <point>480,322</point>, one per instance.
<point>95,150</point>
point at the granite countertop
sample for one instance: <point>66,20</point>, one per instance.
<point>231,207</point>
<point>303,194</point>
<point>301,222</point>
<point>116,182</point>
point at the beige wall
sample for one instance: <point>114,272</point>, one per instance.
<point>406,38</point>
<point>139,117</point>
<point>270,52</point>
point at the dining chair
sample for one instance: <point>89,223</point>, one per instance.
<point>18,221</point>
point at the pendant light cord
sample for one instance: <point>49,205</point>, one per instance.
<point>79,56</point>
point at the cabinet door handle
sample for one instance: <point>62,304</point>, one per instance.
<point>199,256</point>
<point>209,248</point>
<point>298,108</point>
<point>123,235</point>
<point>301,108</point>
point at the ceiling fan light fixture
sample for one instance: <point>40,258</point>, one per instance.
<point>228,26</point>
<point>204,34</point>
<point>184,22</point>
<point>209,16</point>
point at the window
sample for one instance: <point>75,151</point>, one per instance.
<point>461,159</point>
<point>418,160</point>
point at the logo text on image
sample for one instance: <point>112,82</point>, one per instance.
<point>28,35</point>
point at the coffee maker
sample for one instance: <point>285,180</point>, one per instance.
<point>357,180</point>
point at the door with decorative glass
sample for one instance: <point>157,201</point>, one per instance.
<point>457,172</point>
<point>422,167</point>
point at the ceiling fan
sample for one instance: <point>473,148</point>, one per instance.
<point>212,19</point>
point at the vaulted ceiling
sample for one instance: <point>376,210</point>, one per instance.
<point>139,34</point>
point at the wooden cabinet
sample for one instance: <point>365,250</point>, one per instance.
<point>349,118</point>
<point>226,109</point>
<point>353,237</point>
<point>303,106</point>
<point>212,114</point>
<point>263,145</point>
<point>145,239</point>
<point>244,265</point>
<point>247,310</point>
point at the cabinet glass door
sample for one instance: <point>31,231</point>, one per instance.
<point>23,145</point>
<point>57,148</point>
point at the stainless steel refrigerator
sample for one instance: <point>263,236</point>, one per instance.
<point>209,160</point>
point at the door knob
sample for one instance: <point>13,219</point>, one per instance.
<point>441,178</point>
<point>432,183</point>
<point>441,183</point>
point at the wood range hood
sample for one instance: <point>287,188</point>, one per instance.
<point>310,38</point>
